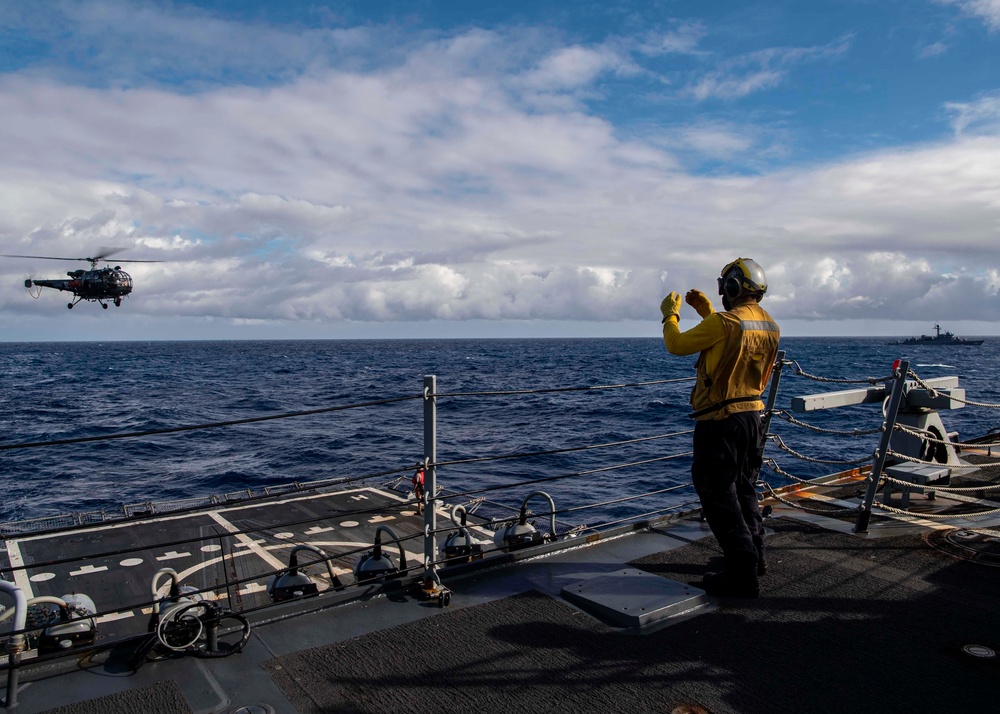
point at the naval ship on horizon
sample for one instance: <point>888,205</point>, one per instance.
<point>939,339</point>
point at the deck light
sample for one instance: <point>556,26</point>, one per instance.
<point>522,534</point>
<point>373,565</point>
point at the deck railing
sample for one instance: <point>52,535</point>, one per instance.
<point>444,493</point>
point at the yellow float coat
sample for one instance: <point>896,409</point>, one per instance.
<point>738,348</point>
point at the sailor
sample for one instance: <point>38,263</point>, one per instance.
<point>418,488</point>
<point>737,349</point>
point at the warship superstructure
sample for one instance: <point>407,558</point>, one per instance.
<point>946,338</point>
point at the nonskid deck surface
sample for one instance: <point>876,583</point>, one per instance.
<point>873,611</point>
<point>844,623</point>
<point>114,564</point>
<point>867,623</point>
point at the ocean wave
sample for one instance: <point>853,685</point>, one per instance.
<point>67,393</point>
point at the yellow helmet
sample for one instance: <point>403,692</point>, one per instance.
<point>741,277</point>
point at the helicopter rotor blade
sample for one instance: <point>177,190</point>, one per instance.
<point>140,261</point>
<point>41,257</point>
<point>104,253</point>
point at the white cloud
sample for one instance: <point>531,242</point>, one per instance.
<point>724,85</point>
<point>575,66</point>
<point>763,69</point>
<point>981,116</point>
<point>438,188</point>
<point>683,39</point>
<point>935,49</point>
<point>986,10</point>
<point>124,43</point>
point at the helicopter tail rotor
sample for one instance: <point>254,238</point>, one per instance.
<point>34,290</point>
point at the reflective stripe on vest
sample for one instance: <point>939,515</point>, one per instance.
<point>764,325</point>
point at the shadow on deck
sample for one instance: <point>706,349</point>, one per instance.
<point>844,623</point>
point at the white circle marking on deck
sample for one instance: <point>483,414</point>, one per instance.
<point>284,536</point>
<point>41,577</point>
<point>129,562</point>
<point>349,524</point>
<point>210,548</point>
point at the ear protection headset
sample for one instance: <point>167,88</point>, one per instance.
<point>742,276</point>
<point>729,285</point>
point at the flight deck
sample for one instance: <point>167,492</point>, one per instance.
<point>229,553</point>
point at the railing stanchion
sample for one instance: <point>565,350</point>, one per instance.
<point>772,394</point>
<point>15,643</point>
<point>430,476</point>
<point>895,399</point>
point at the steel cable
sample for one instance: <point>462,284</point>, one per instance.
<point>195,427</point>
<point>595,387</point>
<point>528,454</point>
<point>561,511</point>
<point>608,524</point>
<point>796,369</point>
<point>934,392</point>
<point>854,432</point>
<point>820,511</point>
<point>845,462</point>
<point>559,477</point>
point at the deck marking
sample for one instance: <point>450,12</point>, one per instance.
<point>359,497</point>
<point>173,555</point>
<point>20,575</point>
<point>285,535</point>
<point>247,541</point>
<point>251,588</point>
<point>390,550</point>
<point>349,524</point>
<point>131,562</point>
<point>41,577</point>
<point>337,570</point>
<point>317,529</point>
<point>88,570</point>
<point>185,574</point>
<point>112,616</point>
<point>381,519</point>
<point>211,548</point>
<point>121,524</point>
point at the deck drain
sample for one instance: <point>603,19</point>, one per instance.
<point>254,709</point>
<point>967,545</point>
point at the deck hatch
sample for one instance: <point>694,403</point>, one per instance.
<point>634,598</point>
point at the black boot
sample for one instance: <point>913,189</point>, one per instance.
<point>741,584</point>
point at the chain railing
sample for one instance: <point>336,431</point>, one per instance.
<point>883,452</point>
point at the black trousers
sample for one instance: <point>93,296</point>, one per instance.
<point>728,454</point>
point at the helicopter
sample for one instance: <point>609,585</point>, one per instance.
<point>100,285</point>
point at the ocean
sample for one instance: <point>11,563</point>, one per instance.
<point>57,391</point>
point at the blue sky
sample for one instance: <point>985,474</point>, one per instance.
<point>380,169</point>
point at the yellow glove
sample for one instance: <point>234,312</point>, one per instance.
<point>700,302</point>
<point>671,306</point>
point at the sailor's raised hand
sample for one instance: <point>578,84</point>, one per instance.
<point>700,302</point>
<point>671,307</point>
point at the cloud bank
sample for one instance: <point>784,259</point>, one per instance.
<point>467,177</point>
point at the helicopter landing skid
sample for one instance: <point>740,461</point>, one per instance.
<point>117,302</point>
